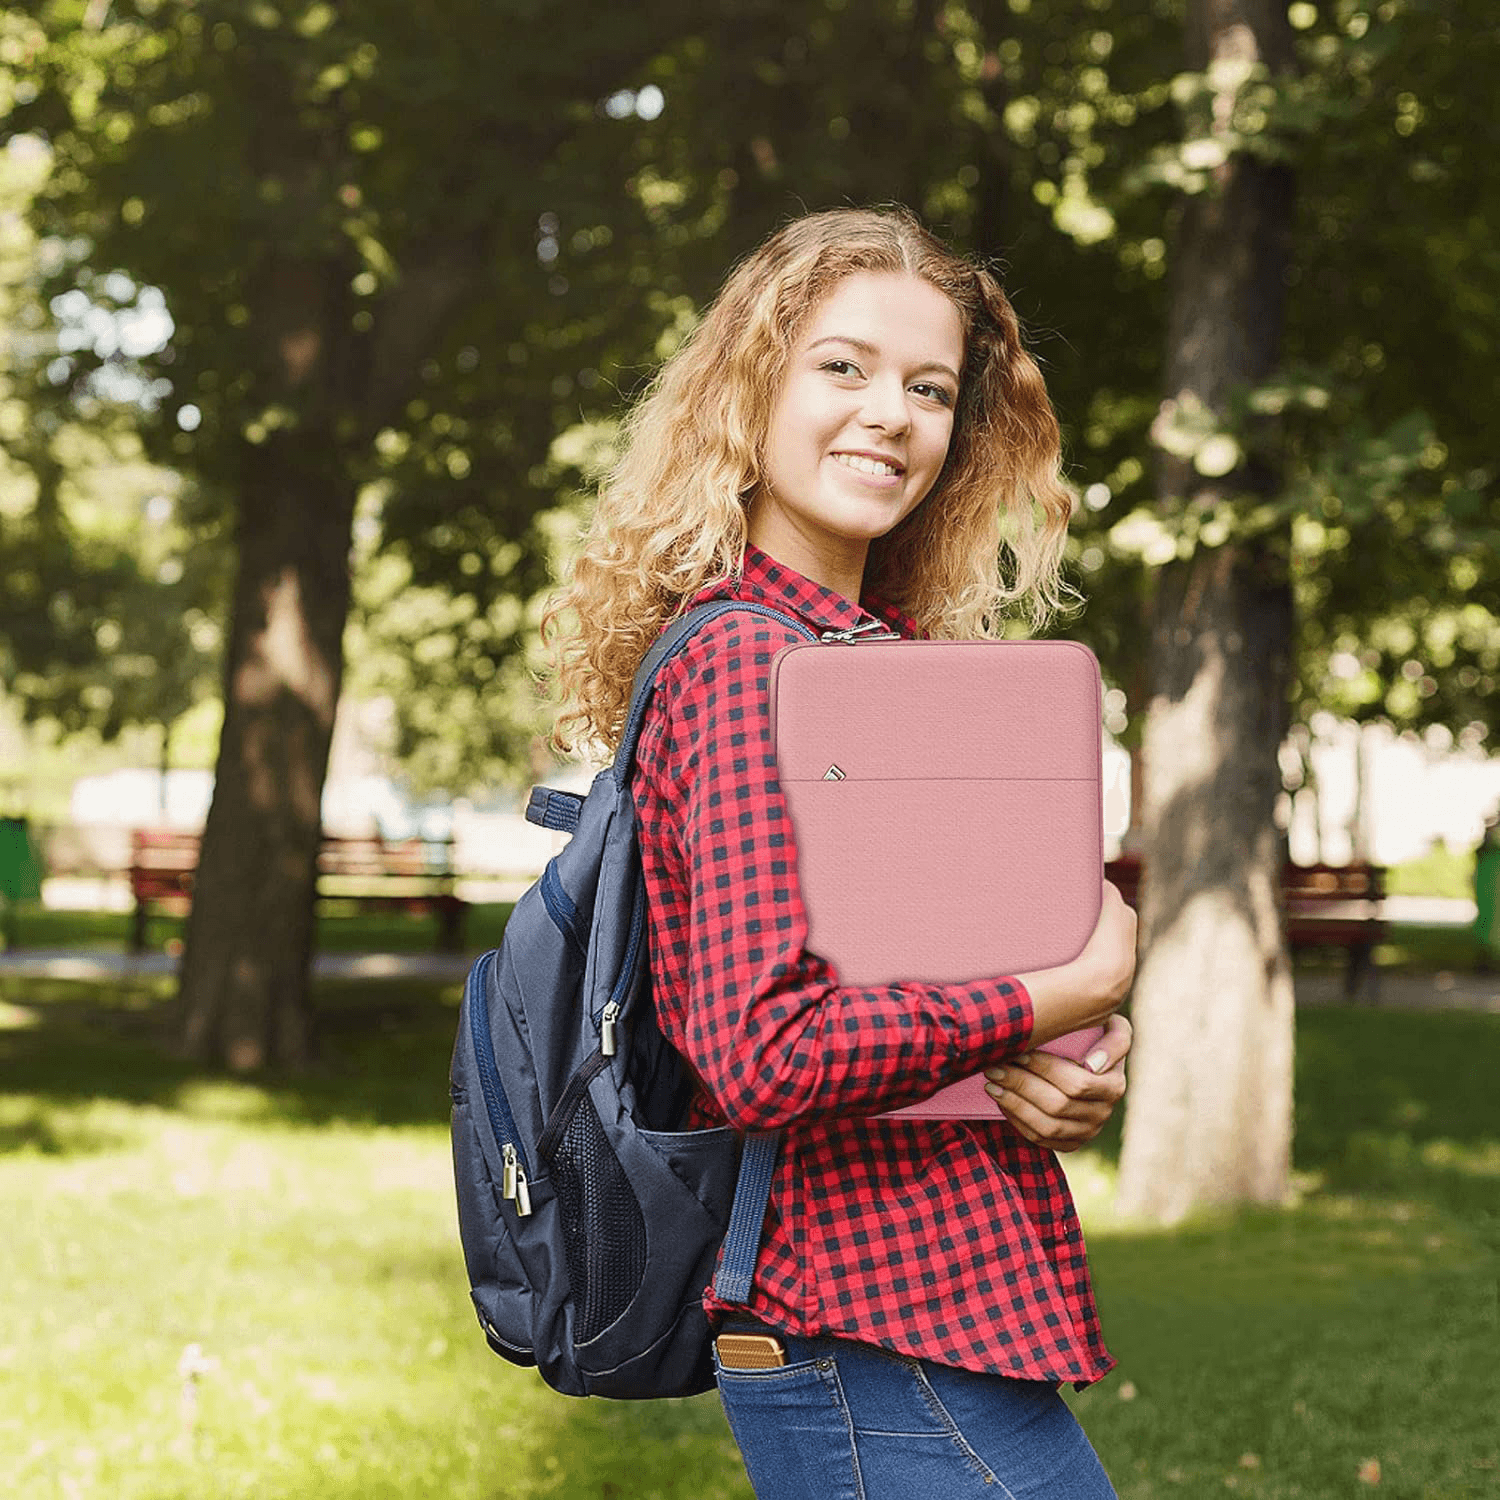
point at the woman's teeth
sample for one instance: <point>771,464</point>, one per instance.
<point>865,465</point>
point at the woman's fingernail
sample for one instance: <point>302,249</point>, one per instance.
<point>1096,1062</point>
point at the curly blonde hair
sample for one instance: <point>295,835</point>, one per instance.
<point>671,515</point>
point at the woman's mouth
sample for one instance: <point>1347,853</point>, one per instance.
<point>863,463</point>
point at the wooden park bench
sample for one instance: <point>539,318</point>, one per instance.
<point>409,874</point>
<point>1327,906</point>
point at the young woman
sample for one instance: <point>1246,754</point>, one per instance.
<point>853,434</point>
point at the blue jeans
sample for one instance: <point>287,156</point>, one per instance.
<point>846,1421</point>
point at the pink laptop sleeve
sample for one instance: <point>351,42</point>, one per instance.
<point>945,797</point>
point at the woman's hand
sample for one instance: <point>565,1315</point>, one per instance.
<point>1058,1104</point>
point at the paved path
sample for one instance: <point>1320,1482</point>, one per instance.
<point>1403,991</point>
<point>104,964</point>
<point>1399,991</point>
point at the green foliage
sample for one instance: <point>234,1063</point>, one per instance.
<point>349,221</point>
<point>1398,477</point>
<point>483,267</point>
<point>1376,422</point>
<point>101,623</point>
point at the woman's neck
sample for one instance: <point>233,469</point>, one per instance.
<point>837,564</point>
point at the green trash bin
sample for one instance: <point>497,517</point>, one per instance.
<point>1487,894</point>
<point>20,873</point>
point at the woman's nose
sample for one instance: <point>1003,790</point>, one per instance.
<point>885,406</point>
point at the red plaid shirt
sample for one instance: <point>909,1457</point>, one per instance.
<point>955,1241</point>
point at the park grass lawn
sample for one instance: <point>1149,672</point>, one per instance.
<point>292,1243</point>
<point>222,1287</point>
<point>1287,1354</point>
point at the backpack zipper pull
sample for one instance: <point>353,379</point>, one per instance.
<point>607,1018</point>
<point>513,1185</point>
<point>866,632</point>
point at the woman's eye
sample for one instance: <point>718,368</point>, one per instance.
<point>939,393</point>
<point>841,367</point>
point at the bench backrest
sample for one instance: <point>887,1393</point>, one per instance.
<point>1305,884</point>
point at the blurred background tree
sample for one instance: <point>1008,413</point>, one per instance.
<point>101,622</point>
<point>348,216</point>
<point>412,266</point>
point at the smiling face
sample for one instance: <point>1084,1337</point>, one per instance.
<point>860,428</point>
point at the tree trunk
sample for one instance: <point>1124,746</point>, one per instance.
<point>250,935</point>
<point>1209,1113</point>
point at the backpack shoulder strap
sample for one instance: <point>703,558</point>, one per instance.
<point>671,641</point>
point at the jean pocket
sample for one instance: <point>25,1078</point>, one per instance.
<point>793,1429</point>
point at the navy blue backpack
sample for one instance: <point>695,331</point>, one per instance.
<point>590,1219</point>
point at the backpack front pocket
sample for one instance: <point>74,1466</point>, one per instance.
<point>603,1229</point>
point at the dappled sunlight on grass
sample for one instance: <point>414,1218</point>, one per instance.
<point>1461,1177</point>
<point>1387,1157</point>
<point>1477,1159</point>
<point>1301,1352</point>
<point>1278,1352</point>
<point>36,1125</point>
<point>225,1099</point>
<point>383,1054</point>
<point>236,1308</point>
<point>253,1286</point>
<point>56,995</point>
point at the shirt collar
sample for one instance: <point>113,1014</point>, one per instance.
<point>763,580</point>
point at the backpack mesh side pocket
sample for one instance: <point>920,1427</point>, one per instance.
<point>604,1232</point>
